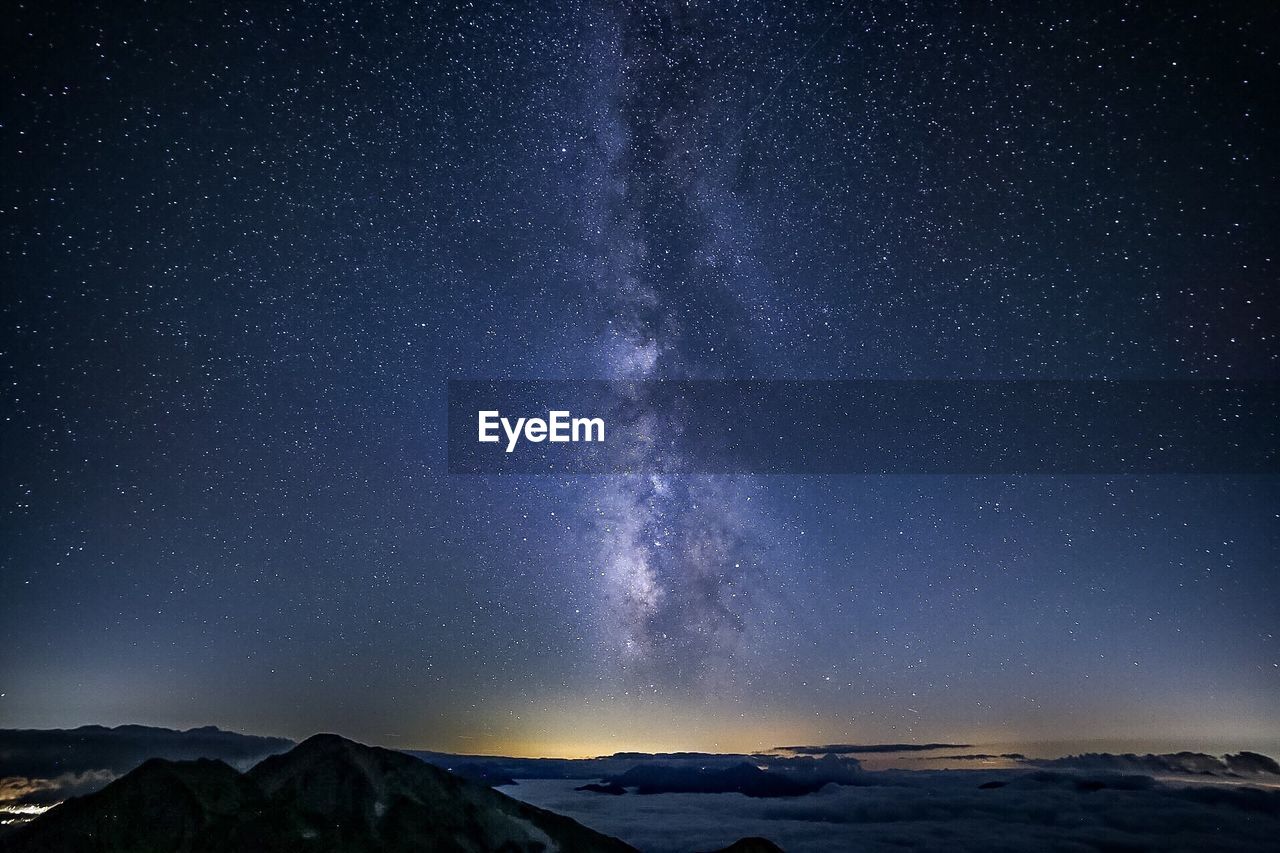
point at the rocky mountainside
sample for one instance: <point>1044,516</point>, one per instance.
<point>326,794</point>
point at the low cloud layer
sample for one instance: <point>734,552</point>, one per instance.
<point>892,811</point>
<point>27,791</point>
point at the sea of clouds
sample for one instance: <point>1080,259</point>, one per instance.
<point>1034,810</point>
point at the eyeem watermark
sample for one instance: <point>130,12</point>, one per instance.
<point>977,427</point>
<point>559,427</point>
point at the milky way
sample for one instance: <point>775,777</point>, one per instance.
<point>675,553</point>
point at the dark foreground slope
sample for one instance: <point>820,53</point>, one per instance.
<point>327,794</point>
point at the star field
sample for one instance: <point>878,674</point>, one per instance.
<point>244,250</point>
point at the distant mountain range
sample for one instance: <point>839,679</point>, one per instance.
<point>742,778</point>
<point>326,794</point>
<point>45,753</point>
<point>787,775</point>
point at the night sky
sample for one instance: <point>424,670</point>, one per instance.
<point>244,249</point>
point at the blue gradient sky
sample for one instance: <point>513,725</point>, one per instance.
<point>244,251</point>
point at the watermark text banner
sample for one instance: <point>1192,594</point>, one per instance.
<point>863,427</point>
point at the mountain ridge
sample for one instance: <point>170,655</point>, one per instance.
<point>327,794</point>
<point>119,749</point>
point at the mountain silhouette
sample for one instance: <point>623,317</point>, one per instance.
<point>48,753</point>
<point>327,794</point>
<point>751,845</point>
<point>743,778</point>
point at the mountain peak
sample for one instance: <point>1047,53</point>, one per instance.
<point>751,844</point>
<point>328,740</point>
<point>327,793</point>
